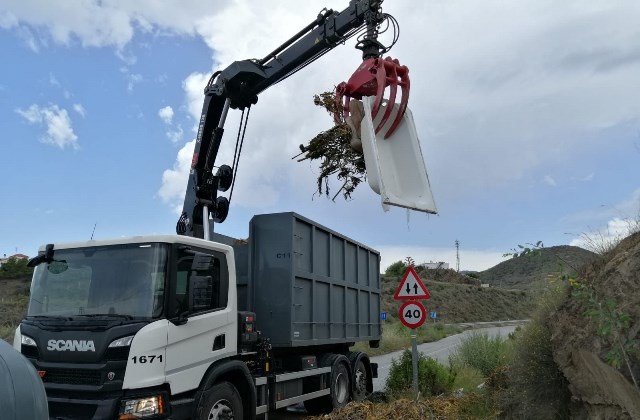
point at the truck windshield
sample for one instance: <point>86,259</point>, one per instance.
<point>117,280</point>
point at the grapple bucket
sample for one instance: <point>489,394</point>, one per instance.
<point>395,166</point>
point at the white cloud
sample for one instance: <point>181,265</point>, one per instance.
<point>53,81</point>
<point>193,87</point>
<point>166,114</point>
<point>613,223</point>
<point>599,239</point>
<point>477,96</point>
<point>585,178</point>
<point>80,110</point>
<point>626,209</point>
<point>175,135</point>
<point>7,20</point>
<point>549,180</point>
<point>133,79</point>
<point>496,88</point>
<point>59,130</point>
<point>95,23</point>
<point>174,181</point>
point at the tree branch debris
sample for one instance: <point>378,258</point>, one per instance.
<point>333,148</point>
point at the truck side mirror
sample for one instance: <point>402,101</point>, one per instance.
<point>200,293</point>
<point>40,258</point>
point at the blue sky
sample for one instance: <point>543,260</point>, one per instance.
<point>528,115</point>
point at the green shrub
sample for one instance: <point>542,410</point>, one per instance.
<point>481,351</point>
<point>433,377</point>
<point>396,269</point>
<point>15,268</point>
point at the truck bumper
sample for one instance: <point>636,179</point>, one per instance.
<point>108,407</point>
<point>73,408</point>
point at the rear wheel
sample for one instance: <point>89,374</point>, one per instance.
<point>340,386</point>
<point>360,380</point>
<point>221,402</point>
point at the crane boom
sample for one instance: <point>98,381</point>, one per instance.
<point>238,87</point>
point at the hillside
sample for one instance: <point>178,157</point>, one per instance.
<point>530,271</point>
<point>457,302</point>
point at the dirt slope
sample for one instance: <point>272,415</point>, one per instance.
<point>595,336</point>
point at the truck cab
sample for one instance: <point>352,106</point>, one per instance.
<point>119,326</point>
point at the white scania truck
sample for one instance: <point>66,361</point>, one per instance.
<point>203,326</point>
<point>181,327</point>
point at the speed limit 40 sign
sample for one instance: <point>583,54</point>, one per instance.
<point>413,314</point>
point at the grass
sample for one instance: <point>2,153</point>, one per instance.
<point>468,378</point>
<point>603,241</point>
<point>396,336</point>
<point>482,352</point>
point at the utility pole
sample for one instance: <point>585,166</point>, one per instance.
<point>457,256</point>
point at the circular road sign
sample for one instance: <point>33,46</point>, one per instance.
<point>413,314</point>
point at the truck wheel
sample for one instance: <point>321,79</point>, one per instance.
<point>360,380</point>
<point>221,402</point>
<point>340,386</point>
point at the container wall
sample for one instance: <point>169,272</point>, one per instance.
<point>311,285</point>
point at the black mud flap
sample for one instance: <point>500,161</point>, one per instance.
<point>374,370</point>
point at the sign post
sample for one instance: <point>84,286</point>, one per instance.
<point>412,313</point>
<point>414,361</point>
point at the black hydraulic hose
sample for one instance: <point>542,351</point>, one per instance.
<point>235,169</point>
<point>321,18</point>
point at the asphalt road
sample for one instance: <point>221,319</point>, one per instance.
<point>438,350</point>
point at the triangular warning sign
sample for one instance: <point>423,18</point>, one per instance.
<point>411,287</point>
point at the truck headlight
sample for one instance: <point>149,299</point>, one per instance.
<point>27,341</point>
<point>122,342</point>
<point>137,408</point>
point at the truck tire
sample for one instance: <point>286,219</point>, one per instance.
<point>340,386</point>
<point>220,402</point>
<point>360,377</point>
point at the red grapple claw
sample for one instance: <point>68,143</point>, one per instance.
<point>372,79</point>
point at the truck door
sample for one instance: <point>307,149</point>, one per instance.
<point>201,296</point>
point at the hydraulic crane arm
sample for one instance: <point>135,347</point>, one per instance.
<point>238,86</point>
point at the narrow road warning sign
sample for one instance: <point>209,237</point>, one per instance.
<point>411,287</point>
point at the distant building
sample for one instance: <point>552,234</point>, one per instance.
<point>16,256</point>
<point>435,265</point>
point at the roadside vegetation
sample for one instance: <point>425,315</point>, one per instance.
<point>395,336</point>
<point>15,268</point>
<point>488,377</point>
<point>13,305</point>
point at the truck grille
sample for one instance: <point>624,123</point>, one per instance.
<point>73,376</point>
<point>29,351</point>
